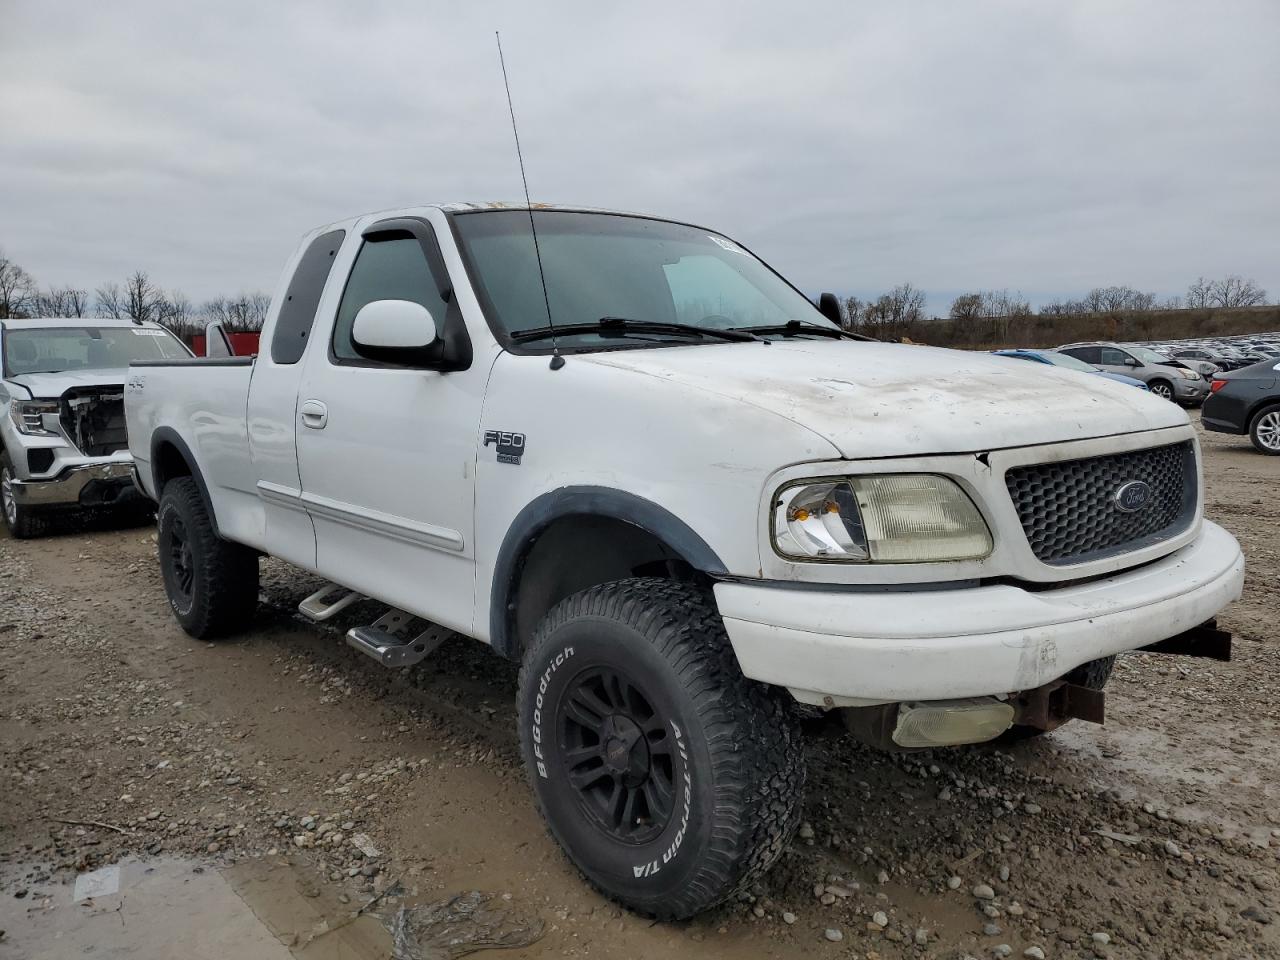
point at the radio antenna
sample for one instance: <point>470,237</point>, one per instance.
<point>557,361</point>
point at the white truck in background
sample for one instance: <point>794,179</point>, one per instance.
<point>626,453</point>
<point>62,431</point>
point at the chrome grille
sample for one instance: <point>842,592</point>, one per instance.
<point>1069,512</point>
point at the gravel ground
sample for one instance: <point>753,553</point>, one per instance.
<point>1157,835</point>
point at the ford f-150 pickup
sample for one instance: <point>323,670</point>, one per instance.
<point>626,453</point>
<point>62,414</point>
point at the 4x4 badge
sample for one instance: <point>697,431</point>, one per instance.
<point>510,446</point>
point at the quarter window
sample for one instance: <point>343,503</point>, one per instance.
<point>1087,354</point>
<point>298,312</point>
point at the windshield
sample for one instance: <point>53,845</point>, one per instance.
<point>1064,360</point>
<point>605,265</point>
<point>1147,356</point>
<point>55,349</point>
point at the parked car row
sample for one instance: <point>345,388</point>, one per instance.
<point>1127,363</point>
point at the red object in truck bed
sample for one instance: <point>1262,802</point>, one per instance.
<point>242,344</point>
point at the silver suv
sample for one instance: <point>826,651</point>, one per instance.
<point>1163,377</point>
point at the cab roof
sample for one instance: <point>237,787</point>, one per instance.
<point>49,323</point>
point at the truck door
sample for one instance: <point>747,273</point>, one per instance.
<point>273,398</point>
<point>387,452</point>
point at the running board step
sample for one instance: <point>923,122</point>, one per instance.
<point>397,639</point>
<point>329,600</point>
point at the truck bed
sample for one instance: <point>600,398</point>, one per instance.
<point>199,404</point>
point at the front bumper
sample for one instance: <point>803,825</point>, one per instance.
<point>853,647</point>
<point>1193,391</point>
<point>84,485</point>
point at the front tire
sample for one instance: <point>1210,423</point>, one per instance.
<point>1264,430</point>
<point>1162,389</point>
<point>669,779</point>
<point>212,584</point>
<point>22,522</point>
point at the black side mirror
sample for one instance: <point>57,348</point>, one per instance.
<point>829,307</point>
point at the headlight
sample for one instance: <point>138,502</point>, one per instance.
<point>891,518</point>
<point>28,416</point>
<point>1186,374</point>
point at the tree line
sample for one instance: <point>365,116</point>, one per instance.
<point>137,298</point>
<point>992,316</point>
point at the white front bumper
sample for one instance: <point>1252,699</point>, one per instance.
<point>849,647</point>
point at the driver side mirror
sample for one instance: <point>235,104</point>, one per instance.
<point>1130,362</point>
<point>829,307</point>
<point>396,331</point>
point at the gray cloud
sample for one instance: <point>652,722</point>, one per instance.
<point>1044,147</point>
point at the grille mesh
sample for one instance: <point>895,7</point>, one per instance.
<point>1068,509</point>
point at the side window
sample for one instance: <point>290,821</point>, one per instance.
<point>1113,357</point>
<point>390,267</point>
<point>298,312</point>
<point>1087,354</point>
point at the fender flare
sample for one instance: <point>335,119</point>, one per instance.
<point>580,501</point>
<point>168,435</point>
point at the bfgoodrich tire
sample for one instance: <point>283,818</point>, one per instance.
<point>670,779</point>
<point>212,584</point>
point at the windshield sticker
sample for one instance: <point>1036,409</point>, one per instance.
<point>145,332</point>
<point>727,244</point>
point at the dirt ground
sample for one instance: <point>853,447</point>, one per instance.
<point>296,771</point>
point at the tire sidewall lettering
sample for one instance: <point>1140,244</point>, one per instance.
<point>538,704</point>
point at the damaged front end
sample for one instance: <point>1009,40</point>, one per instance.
<point>93,419</point>
<point>945,723</point>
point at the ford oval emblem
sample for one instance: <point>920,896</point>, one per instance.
<point>1132,496</point>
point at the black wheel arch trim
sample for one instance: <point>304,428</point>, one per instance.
<point>582,501</point>
<point>168,435</point>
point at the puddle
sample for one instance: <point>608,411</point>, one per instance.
<point>167,908</point>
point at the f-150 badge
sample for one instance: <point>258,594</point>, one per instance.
<point>510,446</point>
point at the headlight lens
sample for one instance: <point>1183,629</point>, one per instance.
<point>1186,374</point>
<point>891,518</point>
<point>28,416</point>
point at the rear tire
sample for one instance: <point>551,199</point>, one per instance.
<point>22,521</point>
<point>1093,675</point>
<point>211,583</point>
<point>1264,430</point>
<point>1162,389</point>
<point>669,779</point>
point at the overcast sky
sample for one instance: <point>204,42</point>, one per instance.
<point>1046,147</point>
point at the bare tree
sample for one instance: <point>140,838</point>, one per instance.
<point>62,302</point>
<point>1200,294</point>
<point>176,312</point>
<point>111,301</point>
<point>17,290</point>
<point>1235,291</point>
<point>142,297</point>
<point>245,313</point>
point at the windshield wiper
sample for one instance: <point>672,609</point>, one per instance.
<point>621,327</point>
<point>795,327</point>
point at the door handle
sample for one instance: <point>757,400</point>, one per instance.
<point>314,414</point>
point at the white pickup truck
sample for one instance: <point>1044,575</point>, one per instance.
<point>626,453</point>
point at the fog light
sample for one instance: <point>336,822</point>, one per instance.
<point>945,723</point>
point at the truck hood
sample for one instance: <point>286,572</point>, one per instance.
<point>882,399</point>
<point>51,386</point>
